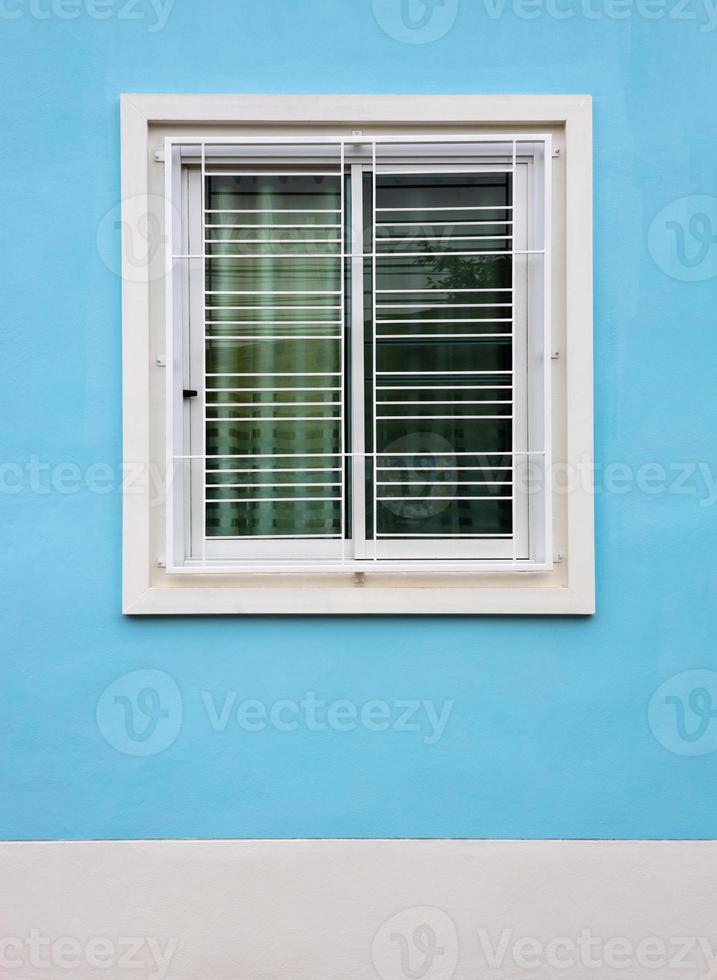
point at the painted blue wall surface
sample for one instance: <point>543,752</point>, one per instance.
<point>551,732</point>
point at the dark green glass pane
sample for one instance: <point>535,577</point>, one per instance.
<point>273,319</point>
<point>443,351</point>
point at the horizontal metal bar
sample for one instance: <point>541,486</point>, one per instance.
<point>449,289</point>
<point>273,322</point>
<point>444,483</point>
<point>380,140</point>
<point>273,537</point>
<point>453,401</point>
<point>306,455</point>
<point>437,418</point>
<point>254,256</point>
<point>272,210</point>
<point>262,405</point>
<point>457,468</point>
<point>277,292</point>
<point>367,455</point>
<point>456,498</point>
<point>457,221</point>
<point>438,336</point>
<point>270,390</point>
<point>269,241</point>
<point>274,374</point>
<point>272,255</point>
<point>274,469</point>
<point>428,255</point>
<point>447,535</point>
<point>441,388</point>
<point>276,500</point>
<point>272,173</point>
<point>389,455</point>
<point>445,238</point>
<point>462,207</point>
<point>436,306</point>
<point>281,323</point>
<point>313,225</point>
<point>289,255</point>
<point>442,374</point>
<point>382,170</point>
<point>271,486</point>
<point>446,319</point>
<point>270,323</point>
<point>266,306</point>
<point>285,418</point>
<point>252,338</point>
<point>473,452</point>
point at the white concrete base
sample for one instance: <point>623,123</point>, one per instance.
<point>355,910</point>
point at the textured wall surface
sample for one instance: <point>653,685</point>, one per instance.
<point>388,910</point>
<point>492,727</point>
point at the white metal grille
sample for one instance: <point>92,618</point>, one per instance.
<point>431,318</point>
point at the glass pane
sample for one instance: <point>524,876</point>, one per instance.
<point>273,355</point>
<point>443,354</point>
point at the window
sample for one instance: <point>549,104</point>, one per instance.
<point>357,337</point>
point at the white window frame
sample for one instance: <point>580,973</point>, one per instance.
<point>564,583</point>
<point>212,555</point>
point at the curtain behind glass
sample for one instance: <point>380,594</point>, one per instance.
<point>269,282</point>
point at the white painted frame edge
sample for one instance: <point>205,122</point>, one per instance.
<point>574,112</point>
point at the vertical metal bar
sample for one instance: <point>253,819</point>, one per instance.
<point>547,347</point>
<point>169,348</point>
<point>374,243</point>
<point>342,345</point>
<point>358,425</point>
<point>513,457</point>
<point>204,359</point>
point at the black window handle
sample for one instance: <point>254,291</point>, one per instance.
<point>190,393</point>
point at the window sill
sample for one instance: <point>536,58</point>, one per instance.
<point>457,594</point>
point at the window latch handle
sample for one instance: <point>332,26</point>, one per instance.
<point>189,393</point>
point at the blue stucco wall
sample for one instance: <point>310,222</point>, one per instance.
<point>551,731</point>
